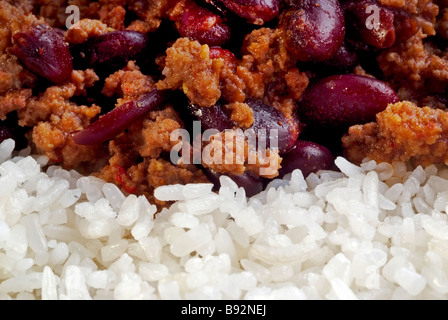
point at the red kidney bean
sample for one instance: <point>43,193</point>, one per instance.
<point>405,25</point>
<point>119,119</point>
<point>250,183</point>
<point>44,52</point>
<point>314,29</point>
<point>254,11</point>
<point>361,22</point>
<point>203,25</point>
<point>344,59</point>
<point>225,54</point>
<point>308,157</point>
<point>340,101</point>
<point>268,118</point>
<point>111,50</point>
<point>214,117</point>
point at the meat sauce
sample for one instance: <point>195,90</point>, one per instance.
<point>361,79</point>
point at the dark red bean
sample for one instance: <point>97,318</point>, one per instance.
<point>225,54</point>
<point>214,117</point>
<point>254,11</point>
<point>44,52</point>
<point>203,25</point>
<point>119,119</point>
<point>405,26</point>
<point>250,183</point>
<point>308,157</point>
<point>111,50</point>
<point>267,119</point>
<point>314,29</point>
<point>344,59</point>
<point>5,133</point>
<point>340,101</point>
<point>371,22</point>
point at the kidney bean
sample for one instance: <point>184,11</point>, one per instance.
<point>345,58</point>
<point>340,101</point>
<point>267,119</point>
<point>254,11</point>
<point>214,117</point>
<point>371,22</point>
<point>44,52</point>
<point>225,54</point>
<point>405,25</point>
<point>314,29</point>
<point>111,50</point>
<point>250,183</point>
<point>119,119</point>
<point>308,157</point>
<point>203,25</point>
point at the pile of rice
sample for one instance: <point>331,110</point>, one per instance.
<point>378,231</point>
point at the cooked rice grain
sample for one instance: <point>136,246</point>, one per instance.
<point>378,231</point>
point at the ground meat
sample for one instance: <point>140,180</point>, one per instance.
<point>402,132</point>
<point>392,3</point>
<point>188,66</point>
<point>232,87</point>
<point>53,117</point>
<point>152,136</point>
<point>241,114</point>
<point>151,13</point>
<point>425,11</point>
<point>269,71</point>
<point>13,100</point>
<point>10,73</point>
<point>415,63</point>
<point>53,11</point>
<point>12,19</point>
<point>128,84</point>
<point>161,172</point>
<point>230,152</point>
<point>84,29</point>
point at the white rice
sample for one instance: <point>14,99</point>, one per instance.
<point>378,231</point>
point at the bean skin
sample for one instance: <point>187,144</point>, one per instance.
<point>254,11</point>
<point>307,156</point>
<point>119,119</point>
<point>405,26</point>
<point>203,25</point>
<point>214,117</point>
<point>268,118</point>
<point>340,101</point>
<point>44,52</point>
<point>111,50</point>
<point>314,29</point>
<point>358,17</point>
